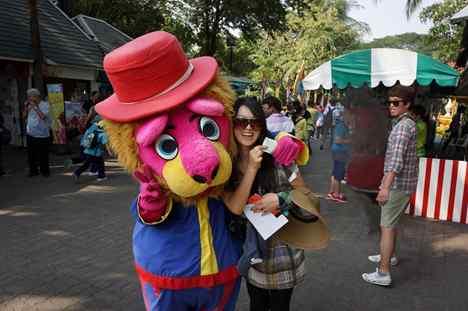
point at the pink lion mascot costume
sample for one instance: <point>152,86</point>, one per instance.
<point>169,123</point>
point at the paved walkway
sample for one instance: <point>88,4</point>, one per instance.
<point>66,246</point>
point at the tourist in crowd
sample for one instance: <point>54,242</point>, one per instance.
<point>399,181</point>
<point>38,122</point>
<point>276,121</point>
<point>311,121</point>
<point>419,114</point>
<point>94,143</point>
<point>300,117</point>
<point>340,154</point>
<point>327,127</point>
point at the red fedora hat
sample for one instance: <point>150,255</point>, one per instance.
<point>152,74</point>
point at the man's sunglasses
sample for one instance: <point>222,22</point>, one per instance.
<point>255,124</point>
<point>395,103</point>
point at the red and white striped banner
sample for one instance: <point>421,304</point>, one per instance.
<point>442,191</point>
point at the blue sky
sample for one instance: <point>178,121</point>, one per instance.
<point>388,17</point>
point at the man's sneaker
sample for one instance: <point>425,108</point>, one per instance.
<point>378,278</point>
<point>90,173</point>
<point>102,179</point>
<point>376,259</point>
<point>254,261</point>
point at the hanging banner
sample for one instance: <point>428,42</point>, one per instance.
<point>56,111</point>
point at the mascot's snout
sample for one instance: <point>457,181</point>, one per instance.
<point>200,159</point>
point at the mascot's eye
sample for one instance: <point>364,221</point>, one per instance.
<point>209,128</point>
<point>166,147</point>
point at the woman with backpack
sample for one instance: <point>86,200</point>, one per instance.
<point>93,142</point>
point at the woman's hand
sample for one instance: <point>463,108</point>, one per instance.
<point>268,204</point>
<point>255,158</point>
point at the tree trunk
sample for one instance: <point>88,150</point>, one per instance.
<point>38,80</point>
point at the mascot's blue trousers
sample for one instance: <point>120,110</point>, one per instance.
<point>188,262</point>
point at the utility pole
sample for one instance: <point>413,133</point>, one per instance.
<point>38,80</point>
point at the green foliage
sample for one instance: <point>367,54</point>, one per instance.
<point>444,36</point>
<point>202,25</point>
<point>212,21</point>
<point>408,41</point>
<point>132,17</point>
<point>316,35</point>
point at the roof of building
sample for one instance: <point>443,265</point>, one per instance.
<point>105,34</point>
<point>62,41</point>
<point>460,15</point>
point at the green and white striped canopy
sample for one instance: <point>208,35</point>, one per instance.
<point>372,66</point>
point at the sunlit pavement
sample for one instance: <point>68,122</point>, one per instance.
<point>66,246</point>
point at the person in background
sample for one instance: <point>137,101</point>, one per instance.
<point>340,153</point>
<point>38,122</point>
<point>319,125</point>
<point>399,181</point>
<point>95,98</point>
<point>327,129</point>
<point>311,121</point>
<point>276,121</point>
<point>419,113</point>
<point>93,142</point>
<point>300,122</point>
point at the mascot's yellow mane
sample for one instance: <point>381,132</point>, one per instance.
<point>122,135</point>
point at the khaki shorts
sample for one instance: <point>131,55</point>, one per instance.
<point>394,208</point>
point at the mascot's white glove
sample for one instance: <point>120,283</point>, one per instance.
<point>287,150</point>
<point>152,201</point>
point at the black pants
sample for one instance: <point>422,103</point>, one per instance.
<point>269,299</point>
<point>96,162</point>
<point>38,155</point>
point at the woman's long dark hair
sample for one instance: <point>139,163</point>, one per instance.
<point>265,179</point>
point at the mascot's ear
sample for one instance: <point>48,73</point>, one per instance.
<point>206,106</point>
<point>147,133</point>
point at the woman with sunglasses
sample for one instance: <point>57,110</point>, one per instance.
<point>270,282</point>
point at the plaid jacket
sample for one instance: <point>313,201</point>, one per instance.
<point>283,267</point>
<point>400,156</point>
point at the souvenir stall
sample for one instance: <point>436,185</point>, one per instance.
<point>365,75</point>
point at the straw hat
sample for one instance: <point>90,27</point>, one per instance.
<point>306,229</point>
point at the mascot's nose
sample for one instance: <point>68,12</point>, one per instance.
<point>200,179</point>
<point>200,160</point>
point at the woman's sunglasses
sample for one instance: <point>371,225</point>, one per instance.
<point>394,103</point>
<point>255,124</point>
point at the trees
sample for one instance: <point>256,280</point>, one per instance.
<point>444,36</point>
<point>316,35</point>
<point>132,17</point>
<point>202,25</point>
<point>411,6</point>
<point>409,41</point>
<point>213,20</point>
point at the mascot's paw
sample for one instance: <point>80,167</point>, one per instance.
<point>287,150</point>
<point>152,201</point>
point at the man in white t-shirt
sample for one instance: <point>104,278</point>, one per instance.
<point>276,121</point>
